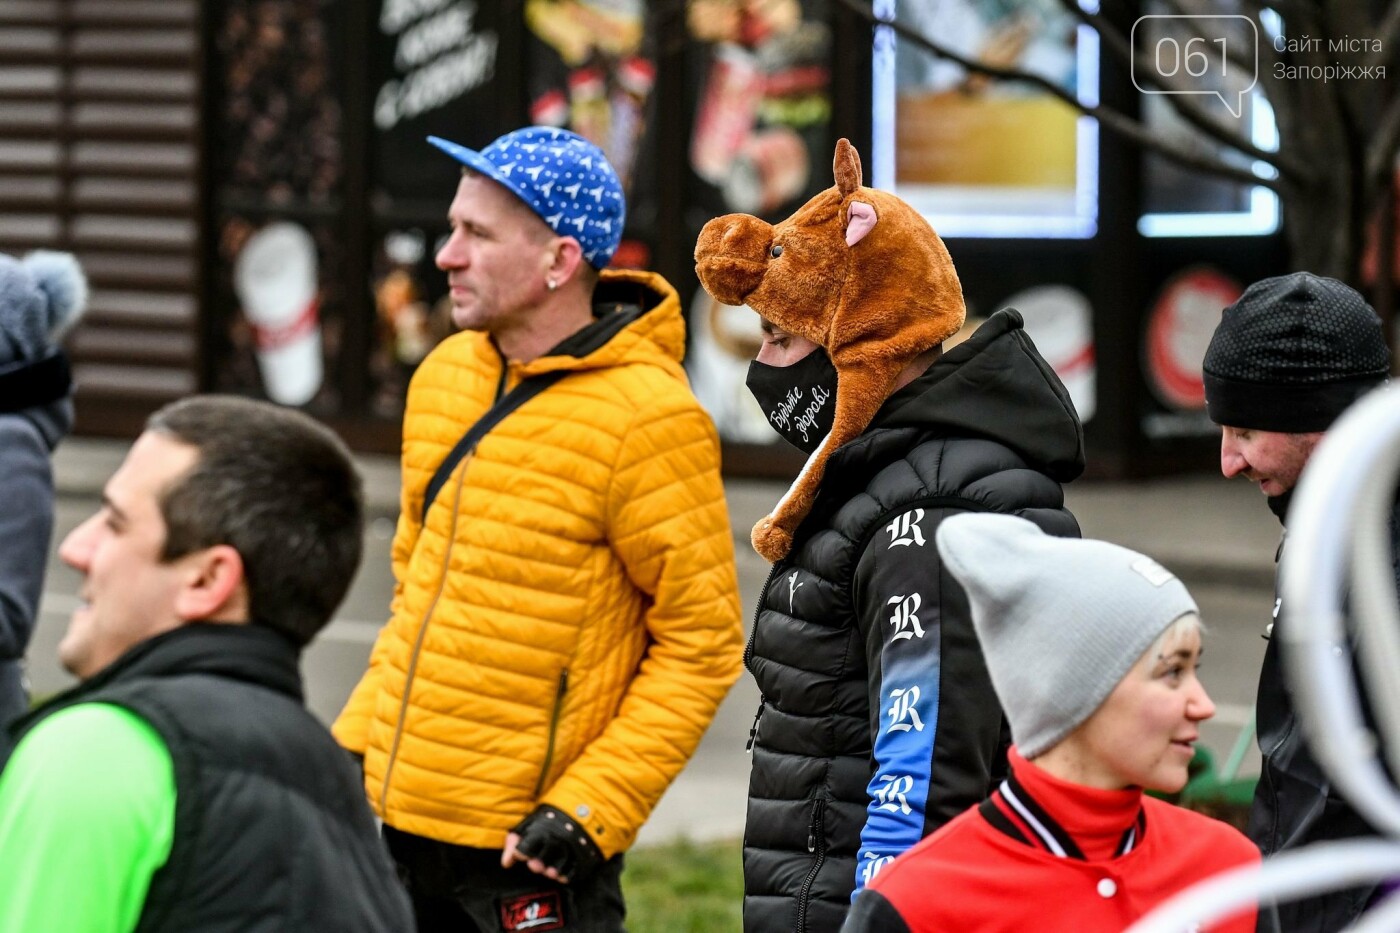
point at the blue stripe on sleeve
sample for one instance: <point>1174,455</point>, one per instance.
<point>903,755</point>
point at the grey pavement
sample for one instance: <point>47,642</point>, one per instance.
<point>1216,535</point>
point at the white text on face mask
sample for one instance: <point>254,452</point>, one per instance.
<point>808,419</point>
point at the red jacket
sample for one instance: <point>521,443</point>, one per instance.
<point>1047,855</point>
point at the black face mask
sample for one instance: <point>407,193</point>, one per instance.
<point>799,400</point>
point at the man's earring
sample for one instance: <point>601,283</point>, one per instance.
<point>551,284</point>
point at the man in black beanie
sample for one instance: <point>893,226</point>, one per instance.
<point>1288,358</point>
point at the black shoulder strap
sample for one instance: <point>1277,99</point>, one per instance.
<point>522,393</point>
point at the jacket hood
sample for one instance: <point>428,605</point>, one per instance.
<point>638,320</point>
<point>996,385</point>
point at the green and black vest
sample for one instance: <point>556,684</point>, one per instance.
<point>272,829</point>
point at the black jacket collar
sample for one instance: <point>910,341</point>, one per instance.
<point>251,653</point>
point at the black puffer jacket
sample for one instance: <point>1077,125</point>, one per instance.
<point>272,829</point>
<point>1295,802</point>
<point>879,722</point>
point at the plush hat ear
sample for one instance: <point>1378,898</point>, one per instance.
<point>846,167</point>
<point>860,220</point>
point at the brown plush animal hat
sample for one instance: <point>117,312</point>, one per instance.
<point>860,273</point>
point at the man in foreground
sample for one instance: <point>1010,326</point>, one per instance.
<point>183,785</point>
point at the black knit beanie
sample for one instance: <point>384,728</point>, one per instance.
<point>1292,354</point>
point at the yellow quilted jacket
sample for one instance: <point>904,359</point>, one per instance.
<point>566,620</point>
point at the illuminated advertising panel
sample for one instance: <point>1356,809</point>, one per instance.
<point>1185,202</point>
<point>980,157</point>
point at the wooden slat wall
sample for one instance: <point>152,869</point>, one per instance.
<point>99,155</point>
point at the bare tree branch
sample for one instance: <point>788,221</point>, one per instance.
<point>1203,8</point>
<point>1112,119</point>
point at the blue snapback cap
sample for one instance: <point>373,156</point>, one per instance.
<point>562,177</point>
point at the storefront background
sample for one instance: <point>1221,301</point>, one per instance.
<point>318,207</point>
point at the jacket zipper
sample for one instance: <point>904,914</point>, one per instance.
<point>422,631</point>
<point>753,630</point>
<point>753,730</point>
<point>816,844</point>
<point>748,656</point>
<point>553,729</point>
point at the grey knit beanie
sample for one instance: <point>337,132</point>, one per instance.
<point>40,298</point>
<point>1292,354</point>
<point>1061,620</point>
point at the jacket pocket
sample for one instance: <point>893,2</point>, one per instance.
<point>554,715</point>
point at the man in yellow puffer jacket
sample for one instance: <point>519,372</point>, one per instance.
<point>566,615</point>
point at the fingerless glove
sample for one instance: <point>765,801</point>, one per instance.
<point>555,838</point>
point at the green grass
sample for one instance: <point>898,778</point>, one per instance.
<point>684,887</point>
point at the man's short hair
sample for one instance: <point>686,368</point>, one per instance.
<point>277,487</point>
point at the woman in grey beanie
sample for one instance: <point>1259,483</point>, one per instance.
<point>40,298</point>
<point>1093,650</point>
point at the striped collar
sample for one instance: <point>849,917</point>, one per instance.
<point>1013,811</point>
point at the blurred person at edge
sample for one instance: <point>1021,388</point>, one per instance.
<point>1286,360</point>
<point>1094,651</point>
<point>566,615</point>
<point>41,296</point>
<point>182,785</point>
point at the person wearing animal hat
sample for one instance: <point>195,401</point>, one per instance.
<point>41,296</point>
<point>878,722</point>
<point>1094,650</point>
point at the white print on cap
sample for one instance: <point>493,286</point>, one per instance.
<point>1151,571</point>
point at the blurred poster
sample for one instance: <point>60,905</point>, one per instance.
<point>432,72</point>
<point>412,313</point>
<point>723,341</point>
<point>278,277</point>
<point>761,141</point>
<point>1060,321</point>
<point>977,156</point>
<point>1179,327</point>
<point>277,135</point>
<point>759,75</point>
<point>277,168</point>
<point>591,70</point>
